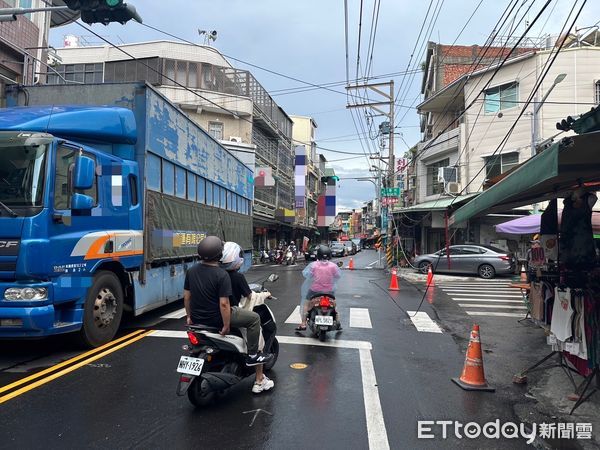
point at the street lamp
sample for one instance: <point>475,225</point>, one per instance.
<point>536,109</point>
<point>534,115</point>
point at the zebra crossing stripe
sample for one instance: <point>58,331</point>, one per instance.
<point>294,317</point>
<point>423,322</point>
<point>478,305</point>
<point>487,300</point>
<point>359,318</point>
<point>494,314</point>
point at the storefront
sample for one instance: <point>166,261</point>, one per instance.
<point>563,295</point>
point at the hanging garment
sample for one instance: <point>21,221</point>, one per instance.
<point>562,313</point>
<point>548,301</point>
<point>536,257</point>
<point>549,231</point>
<point>577,247</point>
<point>550,245</point>
<point>592,331</point>
<point>536,300</point>
<point>578,325</point>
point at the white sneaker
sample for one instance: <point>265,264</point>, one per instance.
<point>264,385</point>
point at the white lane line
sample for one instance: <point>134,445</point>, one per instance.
<point>175,314</point>
<point>169,334</point>
<point>477,305</point>
<point>294,317</point>
<point>487,300</point>
<point>338,343</point>
<point>376,431</point>
<point>423,322</point>
<point>359,318</point>
<point>471,294</point>
<point>494,314</point>
<point>374,262</point>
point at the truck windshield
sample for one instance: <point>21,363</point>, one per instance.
<point>22,169</point>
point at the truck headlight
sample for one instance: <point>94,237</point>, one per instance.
<point>27,294</point>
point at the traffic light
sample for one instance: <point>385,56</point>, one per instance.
<point>586,123</point>
<point>326,179</point>
<point>565,124</point>
<point>104,11</point>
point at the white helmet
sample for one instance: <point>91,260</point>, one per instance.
<point>233,256</point>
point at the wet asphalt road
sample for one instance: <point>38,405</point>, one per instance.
<point>126,397</point>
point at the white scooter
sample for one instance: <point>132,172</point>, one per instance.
<point>214,363</point>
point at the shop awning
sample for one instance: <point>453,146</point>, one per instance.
<point>572,162</point>
<point>436,205</point>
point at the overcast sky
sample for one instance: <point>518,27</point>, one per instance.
<point>305,40</point>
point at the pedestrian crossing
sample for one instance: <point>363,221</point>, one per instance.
<point>483,298</point>
<point>350,318</point>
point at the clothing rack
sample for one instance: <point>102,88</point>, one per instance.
<point>585,385</point>
<point>561,362</point>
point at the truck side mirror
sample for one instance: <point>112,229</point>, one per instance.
<point>83,173</point>
<point>82,202</point>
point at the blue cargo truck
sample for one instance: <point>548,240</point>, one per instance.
<point>102,205</point>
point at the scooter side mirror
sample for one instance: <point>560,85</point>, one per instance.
<point>340,264</point>
<point>273,277</point>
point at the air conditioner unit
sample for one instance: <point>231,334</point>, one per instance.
<point>447,174</point>
<point>453,188</point>
<point>237,139</point>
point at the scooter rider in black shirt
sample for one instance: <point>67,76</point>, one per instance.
<point>206,293</point>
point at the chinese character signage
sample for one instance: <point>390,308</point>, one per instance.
<point>390,192</point>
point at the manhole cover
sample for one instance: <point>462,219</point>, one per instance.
<point>298,366</point>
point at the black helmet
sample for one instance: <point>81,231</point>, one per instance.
<point>210,248</point>
<point>323,252</point>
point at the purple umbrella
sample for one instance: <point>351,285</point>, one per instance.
<point>523,225</point>
<point>531,224</point>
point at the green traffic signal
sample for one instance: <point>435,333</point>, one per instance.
<point>113,3</point>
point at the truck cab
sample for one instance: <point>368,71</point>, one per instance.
<point>70,223</point>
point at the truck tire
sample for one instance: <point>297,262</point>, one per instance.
<point>102,311</point>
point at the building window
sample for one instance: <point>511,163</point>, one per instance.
<point>501,97</point>
<point>597,92</point>
<point>433,185</point>
<point>78,73</point>
<point>496,165</point>
<point>215,129</point>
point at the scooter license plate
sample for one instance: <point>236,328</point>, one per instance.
<point>324,320</point>
<point>190,366</point>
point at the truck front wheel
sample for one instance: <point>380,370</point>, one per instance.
<point>102,310</point>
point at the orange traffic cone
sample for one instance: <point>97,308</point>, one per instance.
<point>523,273</point>
<point>351,264</point>
<point>473,377</point>
<point>394,281</point>
<point>430,281</point>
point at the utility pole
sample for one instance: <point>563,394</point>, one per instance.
<point>389,130</point>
